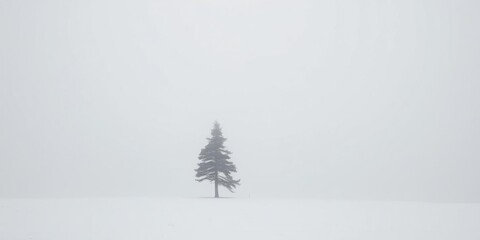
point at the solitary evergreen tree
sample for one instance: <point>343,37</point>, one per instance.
<point>214,165</point>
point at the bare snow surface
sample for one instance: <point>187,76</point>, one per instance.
<point>230,218</point>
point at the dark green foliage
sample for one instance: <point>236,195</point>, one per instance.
<point>214,162</point>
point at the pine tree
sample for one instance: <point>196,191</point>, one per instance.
<point>214,165</point>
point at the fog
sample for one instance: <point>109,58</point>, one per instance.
<point>332,99</point>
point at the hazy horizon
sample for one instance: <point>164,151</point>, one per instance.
<point>332,99</point>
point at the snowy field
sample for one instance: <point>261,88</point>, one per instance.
<point>230,218</point>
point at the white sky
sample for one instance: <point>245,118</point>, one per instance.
<point>337,99</point>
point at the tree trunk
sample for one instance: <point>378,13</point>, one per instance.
<point>216,185</point>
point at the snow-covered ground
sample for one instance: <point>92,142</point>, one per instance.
<point>230,218</point>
